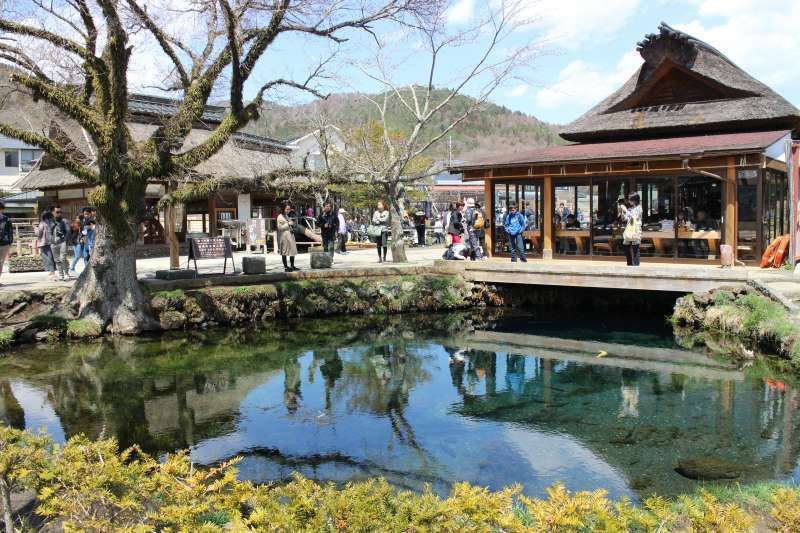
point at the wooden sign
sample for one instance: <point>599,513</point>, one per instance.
<point>210,248</point>
<point>256,232</point>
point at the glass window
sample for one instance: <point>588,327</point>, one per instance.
<point>528,197</point>
<point>607,223</point>
<point>29,158</point>
<point>499,237</point>
<point>776,206</point>
<point>747,212</point>
<point>658,216</point>
<point>12,158</point>
<point>698,217</point>
<point>571,221</point>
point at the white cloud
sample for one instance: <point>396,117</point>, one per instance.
<point>581,84</point>
<point>760,37</point>
<point>572,23</point>
<point>518,90</point>
<point>461,12</point>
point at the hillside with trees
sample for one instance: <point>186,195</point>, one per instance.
<point>492,130</point>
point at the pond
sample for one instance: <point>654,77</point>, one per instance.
<point>422,400</point>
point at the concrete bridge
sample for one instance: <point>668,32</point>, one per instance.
<point>601,274</point>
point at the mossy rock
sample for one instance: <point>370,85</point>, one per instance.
<point>7,338</point>
<point>710,469</point>
<point>172,320</point>
<point>83,329</point>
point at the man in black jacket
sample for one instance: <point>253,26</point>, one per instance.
<point>6,236</point>
<point>328,222</point>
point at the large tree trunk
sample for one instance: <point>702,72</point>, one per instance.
<point>108,290</point>
<point>396,218</point>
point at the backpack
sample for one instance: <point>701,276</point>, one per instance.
<point>479,221</point>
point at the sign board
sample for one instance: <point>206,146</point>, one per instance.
<point>210,248</point>
<point>256,232</point>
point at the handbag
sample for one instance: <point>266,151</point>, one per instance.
<point>630,234</point>
<point>374,231</point>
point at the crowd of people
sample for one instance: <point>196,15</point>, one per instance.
<point>56,236</point>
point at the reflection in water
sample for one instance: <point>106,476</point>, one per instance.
<point>400,397</point>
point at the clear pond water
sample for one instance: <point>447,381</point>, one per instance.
<point>419,400</point>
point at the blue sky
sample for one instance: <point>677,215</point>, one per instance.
<point>588,50</point>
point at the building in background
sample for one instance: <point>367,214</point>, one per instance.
<point>16,160</point>
<point>700,140</point>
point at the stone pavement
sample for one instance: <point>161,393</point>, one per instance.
<point>147,267</point>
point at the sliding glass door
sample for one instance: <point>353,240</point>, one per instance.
<point>527,197</point>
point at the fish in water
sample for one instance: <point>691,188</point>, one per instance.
<point>602,354</point>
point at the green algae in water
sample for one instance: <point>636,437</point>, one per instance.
<point>419,399</point>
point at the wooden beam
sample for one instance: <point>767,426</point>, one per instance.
<point>488,213</point>
<point>730,207</point>
<point>212,215</point>
<point>547,205</point>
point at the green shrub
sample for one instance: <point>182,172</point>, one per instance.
<point>6,338</point>
<point>83,328</point>
<point>93,486</point>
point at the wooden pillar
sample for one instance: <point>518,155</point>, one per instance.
<point>547,223</point>
<point>488,212</point>
<point>212,215</point>
<point>172,239</point>
<point>730,207</point>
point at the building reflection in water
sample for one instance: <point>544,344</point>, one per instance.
<point>414,411</point>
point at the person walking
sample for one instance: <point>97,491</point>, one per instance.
<point>438,230</point>
<point>59,244</point>
<point>43,237</point>
<point>446,220</point>
<point>420,221</point>
<point>480,228</point>
<point>328,222</point>
<point>632,235</point>
<point>470,229</point>
<point>77,239</point>
<point>455,226</point>
<point>514,223</point>
<point>6,236</point>
<point>344,231</point>
<point>287,246</point>
<point>380,232</point>
<point>91,232</point>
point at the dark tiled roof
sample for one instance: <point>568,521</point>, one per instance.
<point>693,146</point>
<point>156,106</point>
<point>744,103</point>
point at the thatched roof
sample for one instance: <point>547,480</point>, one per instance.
<point>244,156</point>
<point>237,159</point>
<point>684,86</point>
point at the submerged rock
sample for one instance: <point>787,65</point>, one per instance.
<point>709,469</point>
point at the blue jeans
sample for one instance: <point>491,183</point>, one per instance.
<point>516,246</point>
<point>78,248</point>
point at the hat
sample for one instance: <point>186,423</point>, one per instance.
<point>419,213</point>
<point>470,202</point>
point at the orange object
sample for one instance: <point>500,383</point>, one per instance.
<point>769,253</point>
<point>781,252</point>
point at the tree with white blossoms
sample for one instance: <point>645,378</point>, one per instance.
<point>387,155</point>
<point>83,72</point>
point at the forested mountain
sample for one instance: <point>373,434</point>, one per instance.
<point>491,130</point>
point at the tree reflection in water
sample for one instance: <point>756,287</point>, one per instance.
<point>409,398</point>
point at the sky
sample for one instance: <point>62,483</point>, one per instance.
<point>587,50</point>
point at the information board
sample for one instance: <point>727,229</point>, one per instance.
<point>211,248</point>
<point>256,232</point>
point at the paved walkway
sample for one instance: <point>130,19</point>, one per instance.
<point>782,282</point>
<point>147,267</point>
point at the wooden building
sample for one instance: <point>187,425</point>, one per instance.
<point>243,158</point>
<point>700,140</point>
